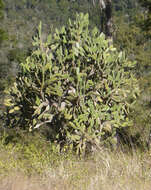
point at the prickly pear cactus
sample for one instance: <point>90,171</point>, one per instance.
<point>77,84</point>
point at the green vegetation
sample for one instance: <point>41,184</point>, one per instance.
<point>77,83</point>
<point>133,37</point>
<point>75,107</point>
<point>146,24</point>
<point>29,162</point>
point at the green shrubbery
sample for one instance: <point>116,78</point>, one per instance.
<point>28,153</point>
<point>77,84</point>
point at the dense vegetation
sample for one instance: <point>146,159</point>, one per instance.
<point>75,103</point>
<point>131,34</point>
<point>78,83</point>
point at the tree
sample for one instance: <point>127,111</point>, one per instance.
<point>3,37</point>
<point>146,22</point>
<point>106,19</point>
<point>133,36</point>
<point>1,8</point>
<point>1,16</point>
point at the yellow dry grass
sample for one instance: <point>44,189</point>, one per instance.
<point>102,171</point>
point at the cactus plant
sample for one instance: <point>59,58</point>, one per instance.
<point>76,83</point>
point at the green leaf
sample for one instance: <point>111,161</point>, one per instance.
<point>37,101</point>
<point>11,111</point>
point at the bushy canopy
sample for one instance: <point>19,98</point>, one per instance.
<point>76,83</point>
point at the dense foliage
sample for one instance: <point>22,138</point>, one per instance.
<point>76,82</point>
<point>147,17</point>
<point>131,34</point>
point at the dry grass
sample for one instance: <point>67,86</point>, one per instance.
<point>104,171</point>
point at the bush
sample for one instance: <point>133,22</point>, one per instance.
<point>77,84</point>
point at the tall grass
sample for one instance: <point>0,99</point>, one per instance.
<point>31,163</point>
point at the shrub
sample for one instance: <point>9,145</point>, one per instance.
<point>77,84</point>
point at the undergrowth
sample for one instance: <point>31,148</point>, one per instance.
<point>28,153</point>
<point>29,161</point>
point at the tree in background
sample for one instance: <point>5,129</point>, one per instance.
<point>1,15</point>
<point>145,80</point>
<point>133,36</point>
<point>146,25</point>
<point>3,37</point>
<point>106,18</point>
